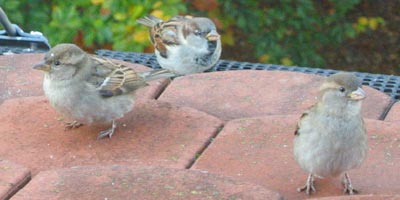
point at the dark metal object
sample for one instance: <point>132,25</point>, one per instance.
<point>14,40</point>
<point>388,84</point>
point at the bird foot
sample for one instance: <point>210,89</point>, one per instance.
<point>109,132</point>
<point>309,186</point>
<point>348,187</point>
<point>72,125</point>
<point>350,191</point>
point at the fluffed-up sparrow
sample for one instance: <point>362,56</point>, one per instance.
<point>184,44</point>
<point>331,138</point>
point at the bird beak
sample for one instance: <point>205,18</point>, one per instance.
<point>213,36</point>
<point>42,66</point>
<point>359,94</point>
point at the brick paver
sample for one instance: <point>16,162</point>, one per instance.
<point>251,158</point>
<point>120,182</point>
<point>12,178</point>
<point>260,150</point>
<point>154,133</point>
<point>362,197</point>
<point>394,113</point>
<point>248,93</point>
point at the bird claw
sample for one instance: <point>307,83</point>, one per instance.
<point>109,132</point>
<point>348,187</point>
<point>309,186</point>
<point>350,191</point>
<point>72,125</point>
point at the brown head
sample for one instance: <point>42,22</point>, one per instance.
<point>200,27</point>
<point>342,92</point>
<point>62,61</point>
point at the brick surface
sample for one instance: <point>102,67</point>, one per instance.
<point>18,79</point>
<point>362,197</point>
<point>394,113</point>
<point>260,150</point>
<point>119,182</point>
<point>154,133</point>
<point>12,178</point>
<point>237,94</point>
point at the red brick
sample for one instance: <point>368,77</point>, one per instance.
<point>12,178</point>
<point>362,197</point>
<point>394,113</point>
<point>154,133</point>
<point>260,150</point>
<point>247,93</point>
<point>17,78</point>
<point>120,182</point>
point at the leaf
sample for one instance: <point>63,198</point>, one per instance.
<point>120,16</point>
<point>141,36</point>
<point>97,2</point>
<point>363,21</point>
<point>158,13</point>
<point>228,38</point>
<point>264,58</point>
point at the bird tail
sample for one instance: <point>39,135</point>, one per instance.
<point>149,20</point>
<point>157,74</point>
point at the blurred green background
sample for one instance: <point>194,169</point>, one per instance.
<point>359,35</point>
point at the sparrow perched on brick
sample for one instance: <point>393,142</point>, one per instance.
<point>184,44</point>
<point>331,138</point>
<point>89,89</point>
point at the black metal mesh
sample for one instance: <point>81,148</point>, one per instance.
<point>388,84</point>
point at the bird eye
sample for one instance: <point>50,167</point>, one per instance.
<point>341,89</point>
<point>197,32</point>
<point>57,62</point>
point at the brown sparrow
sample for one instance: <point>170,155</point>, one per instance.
<point>184,44</point>
<point>89,89</point>
<point>331,138</point>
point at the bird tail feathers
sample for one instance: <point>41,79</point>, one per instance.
<point>157,74</point>
<point>149,20</point>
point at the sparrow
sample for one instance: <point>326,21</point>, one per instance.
<point>330,138</point>
<point>89,89</point>
<point>184,44</point>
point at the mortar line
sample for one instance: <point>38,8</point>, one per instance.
<point>205,146</point>
<point>163,89</point>
<point>387,109</point>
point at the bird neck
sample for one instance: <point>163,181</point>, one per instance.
<point>342,109</point>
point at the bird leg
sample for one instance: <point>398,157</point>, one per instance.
<point>309,186</point>
<point>109,132</point>
<point>348,188</point>
<point>72,125</point>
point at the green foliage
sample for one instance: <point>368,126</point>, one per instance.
<point>288,32</point>
<point>28,14</point>
<point>91,23</point>
<point>292,31</point>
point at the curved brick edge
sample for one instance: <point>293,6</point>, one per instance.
<point>12,178</point>
<point>394,113</point>
<point>249,93</point>
<point>122,182</point>
<point>260,150</point>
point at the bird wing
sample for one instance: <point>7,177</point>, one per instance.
<point>302,118</point>
<point>163,34</point>
<point>113,79</point>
